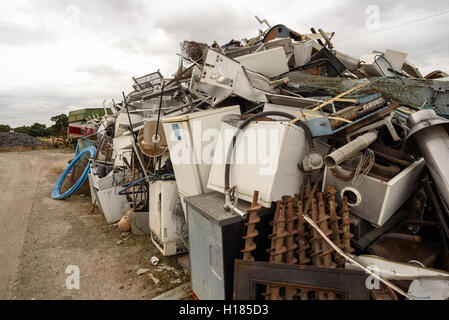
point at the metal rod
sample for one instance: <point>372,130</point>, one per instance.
<point>159,112</point>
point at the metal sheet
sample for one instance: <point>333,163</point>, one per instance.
<point>379,199</point>
<point>247,275</point>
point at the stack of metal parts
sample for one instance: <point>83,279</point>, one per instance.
<point>367,109</point>
<point>294,242</point>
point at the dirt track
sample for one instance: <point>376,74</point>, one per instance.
<point>40,237</point>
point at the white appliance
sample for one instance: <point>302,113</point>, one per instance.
<point>266,158</point>
<point>122,122</point>
<point>375,200</point>
<point>111,204</point>
<point>167,223</point>
<point>302,50</point>
<point>379,63</point>
<point>104,193</point>
<point>191,143</point>
<point>270,63</point>
<point>122,148</point>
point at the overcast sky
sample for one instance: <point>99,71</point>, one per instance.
<point>60,55</point>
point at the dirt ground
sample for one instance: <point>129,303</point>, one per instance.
<point>40,237</point>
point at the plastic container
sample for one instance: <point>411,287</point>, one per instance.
<point>302,50</point>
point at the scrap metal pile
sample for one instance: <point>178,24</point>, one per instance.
<point>10,140</point>
<point>357,168</point>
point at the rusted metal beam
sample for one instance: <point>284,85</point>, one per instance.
<point>349,284</point>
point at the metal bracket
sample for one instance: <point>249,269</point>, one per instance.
<point>387,121</point>
<point>247,275</point>
<point>234,194</point>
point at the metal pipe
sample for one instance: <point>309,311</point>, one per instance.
<point>433,143</point>
<point>229,206</point>
<point>428,133</point>
<point>350,149</point>
<point>401,236</point>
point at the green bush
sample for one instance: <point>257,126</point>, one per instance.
<point>4,128</point>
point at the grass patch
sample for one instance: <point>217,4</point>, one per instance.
<point>23,149</point>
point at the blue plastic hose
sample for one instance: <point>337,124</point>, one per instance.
<point>56,192</point>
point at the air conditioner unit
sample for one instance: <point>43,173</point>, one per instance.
<point>167,223</point>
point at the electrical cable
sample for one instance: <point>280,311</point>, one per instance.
<point>353,261</point>
<point>56,192</point>
<point>300,124</point>
<point>150,178</point>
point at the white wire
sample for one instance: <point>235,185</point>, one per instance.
<point>359,175</point>
<point>339,251</point>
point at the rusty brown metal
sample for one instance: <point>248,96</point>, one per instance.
<point>326,249</point>
<point>303,294</point>
<point>345,227</point>
<point>347,284</point>
<point>291,232</point>
<point>275,32</point>
<point>271,236</point>
<point>308,187</point>
<point>303,244</point>
<point>278,248</point>
<point>437,74</point>
<point>334,223</point>
<point>376,116</point>
<point>251,231</point>
<point>390,154</point>
<point>315,242</point>
<point>385,173</point>
<point>318,40</point>
<point>341,177</point>
<point>309,246</point>
<point>290,258</point>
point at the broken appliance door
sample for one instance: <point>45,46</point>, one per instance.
<point>270,63</point>
<point>166,222</point>
<point>228,76</point>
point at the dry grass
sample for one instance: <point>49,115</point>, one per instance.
<point>57,170</point>
<point>47,140</point>
<point>23,149</point>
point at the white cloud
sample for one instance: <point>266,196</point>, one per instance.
<point>58,54</point>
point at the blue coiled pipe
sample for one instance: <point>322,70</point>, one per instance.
<point>56,192</point>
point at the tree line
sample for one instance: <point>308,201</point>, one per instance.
<point>59,128</point>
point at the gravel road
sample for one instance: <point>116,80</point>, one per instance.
<point>40,237</point>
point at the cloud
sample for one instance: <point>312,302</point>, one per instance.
<point>17,35</point>
<point>101,70</point>
<point>62,54</point>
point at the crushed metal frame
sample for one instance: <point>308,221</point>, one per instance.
<point>247,275</point>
